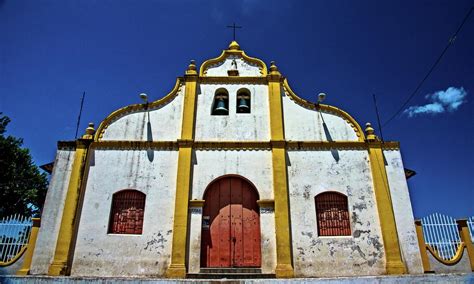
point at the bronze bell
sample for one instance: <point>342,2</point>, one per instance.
<point>243,105</point>
<point>220,108</point>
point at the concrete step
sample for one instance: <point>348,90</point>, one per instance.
<point>229,276</point>
<point>231,270</point>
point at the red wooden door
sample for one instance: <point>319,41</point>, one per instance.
<point>231,225</point>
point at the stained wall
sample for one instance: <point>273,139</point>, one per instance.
<point>99,253</point>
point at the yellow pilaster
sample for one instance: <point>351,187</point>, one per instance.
<point>59,266</point>
<point>25,268</point>
<point>394,263</point>
<point>421,243</point>
<point>284,268</point>
<point>466,239</point>
<point>177,268</point>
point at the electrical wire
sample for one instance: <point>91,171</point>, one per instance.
<point>451,41</point>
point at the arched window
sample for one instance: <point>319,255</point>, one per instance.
<point>221,102</point>
<point>243,101</point>
<point>332,214</point>
<point>126,215</point>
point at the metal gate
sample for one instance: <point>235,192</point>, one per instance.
<point>231,224</point>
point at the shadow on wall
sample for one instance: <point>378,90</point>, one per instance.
<point>334,152</point>
<point>149,138</point>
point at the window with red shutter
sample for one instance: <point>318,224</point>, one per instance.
<point>126,215</point>
<point>332,214</point>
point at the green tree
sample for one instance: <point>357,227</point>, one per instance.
<point>22,186</point>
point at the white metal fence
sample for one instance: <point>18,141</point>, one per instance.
<point>14,236</point>
<point>470,225</point>
<point>441,233</point>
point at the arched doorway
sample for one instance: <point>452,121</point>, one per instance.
<point>231,224</point>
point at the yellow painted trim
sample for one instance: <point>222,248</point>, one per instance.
<point>226,53</point>
<point>466,239</point>
<point>189,111</point>
<point>394,263</point>
<point>276,111</point>
<point>196,203</point>
<point>25,268</point>
<point>284,267</point>
<point>15,259</point>
<point>177,267</point>
<point>326,108</point>
<point>422,245</point>
<point>135,108</point>
<point>455,259</point>
<point>266,203</point>
<point>59,266</point>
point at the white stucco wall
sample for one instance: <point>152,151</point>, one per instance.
<point>302,124</point>
<point>244,67</point>
<point>403,211</point>
<point>164,123</point>
<point>256,166</point>
<point>313,172</point>
<point>101,254</point>
<point>251,126</point>
<point>52,212</point>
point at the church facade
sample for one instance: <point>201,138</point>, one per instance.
<point>231,169</point>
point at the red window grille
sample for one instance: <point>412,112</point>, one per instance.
<point>126,216</point>
<point>332,214</point>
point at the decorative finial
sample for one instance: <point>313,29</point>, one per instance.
<point>274,69</point>
<point>191,68</point>
<point>90,130</point>
<point>234,45</point>
<point>369,131</point>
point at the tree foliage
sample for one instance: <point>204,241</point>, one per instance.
<point>22,186</point>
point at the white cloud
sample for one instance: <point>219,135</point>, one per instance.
<point>440,101</point>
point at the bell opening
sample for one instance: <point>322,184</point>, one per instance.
<point>243,102</point>
<point>220,107</point>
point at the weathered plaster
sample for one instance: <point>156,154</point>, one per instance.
<point>314,172</point>
<point>194,256</point>
<point>403,211</point>
<point>244,67</point>
<point>235,126</point>
<point>13,268</point>
<point>462,266</point>
<point>52,212</point>
<point>101,254</point>
<point>302,124</point>
<point>209,165</point>
<point>268,241</point>
<point>161,124</point>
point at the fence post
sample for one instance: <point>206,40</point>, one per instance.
<point>421,243</point>
<point>25,269</point>
<point>466,239</point>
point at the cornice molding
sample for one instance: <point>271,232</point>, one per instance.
<point>238,145</point>
<point>65,145</point>
<point>135,145</point>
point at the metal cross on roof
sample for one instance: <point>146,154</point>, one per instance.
<point>234,27</point>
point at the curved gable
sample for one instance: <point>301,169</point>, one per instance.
<point>158,120</point>
<point>304,122</point>
<point>246,65</point>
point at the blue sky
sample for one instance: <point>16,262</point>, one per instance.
<point>52,51</point>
